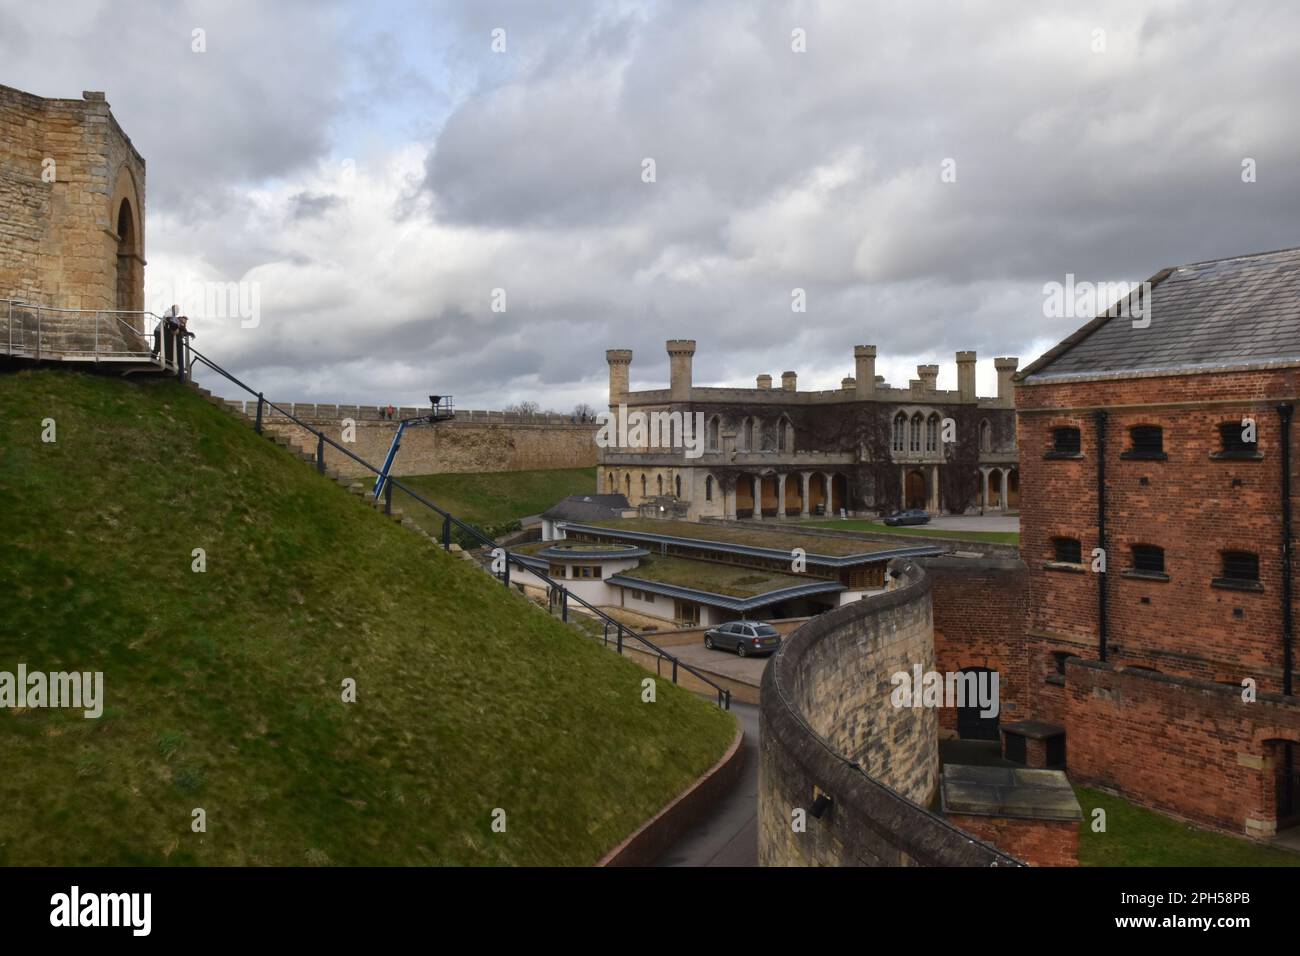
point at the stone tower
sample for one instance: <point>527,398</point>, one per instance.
<point>72,188</point>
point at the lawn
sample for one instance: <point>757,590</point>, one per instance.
<point>494,500</point>
<point>861,524</point>
<point>1136,836</point>
<point>223,687</point>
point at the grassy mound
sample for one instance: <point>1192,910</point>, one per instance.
<point>223,688</point>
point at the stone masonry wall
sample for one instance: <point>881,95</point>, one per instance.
<point>827,726</point>
<point>474,442</point>
<point>59,245</point>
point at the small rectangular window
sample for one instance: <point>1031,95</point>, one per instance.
<point>1233,443</point>
<point>1067,441</point>
<point>1068,550</point>
<point>1145,441</point>
<point>1148,559</point>
<point>1240,566</point>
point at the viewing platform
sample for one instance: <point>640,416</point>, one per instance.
<point>126,342</point>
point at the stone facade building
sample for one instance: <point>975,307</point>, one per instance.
<point>72,192</point>
<point>775,452</point>
<point>1165,445</point>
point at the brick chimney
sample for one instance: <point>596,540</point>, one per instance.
<point>788,380</point>
<point>764,381</point>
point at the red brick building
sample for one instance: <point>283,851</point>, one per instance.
<point>1157,522</point>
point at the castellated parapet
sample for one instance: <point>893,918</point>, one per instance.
<point>72,188</point>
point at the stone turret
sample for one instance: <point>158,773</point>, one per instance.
<point>1006,390</point>
<point>620,363</point>
<point>966,376</point>
<point>929,377</point>
<point>681,352</point>
<point>864,358</point>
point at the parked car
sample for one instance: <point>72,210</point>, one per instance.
<point>910,516</point>
<point>743,637</point>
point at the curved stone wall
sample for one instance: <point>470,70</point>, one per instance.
<point>827,726</point>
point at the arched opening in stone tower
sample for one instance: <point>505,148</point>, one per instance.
<point>128,259</point>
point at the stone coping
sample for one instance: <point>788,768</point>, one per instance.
<point>916,832</point>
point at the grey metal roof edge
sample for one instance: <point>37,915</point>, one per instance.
<point>825,560</point>
<point>632,551</point>
<point>1161,371</point>
<point>723,600</point>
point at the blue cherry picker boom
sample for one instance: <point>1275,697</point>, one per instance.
<point>441,410</point>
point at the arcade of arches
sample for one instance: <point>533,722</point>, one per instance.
<point>791,494</point>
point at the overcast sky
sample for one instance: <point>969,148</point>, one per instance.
<point>376,170</point>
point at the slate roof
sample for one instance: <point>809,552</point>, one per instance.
<point>587,508</point>
<point>1224,313</point>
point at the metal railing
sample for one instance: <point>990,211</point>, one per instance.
<point>623,635</point>
<point>87,335</point>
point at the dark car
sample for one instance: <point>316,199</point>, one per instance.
<point>910,516</point>
<point>744,637</point>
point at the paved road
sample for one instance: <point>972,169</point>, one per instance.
<point>729,835</point>
<point>988,522</point>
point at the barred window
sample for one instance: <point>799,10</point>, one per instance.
<point>1145,440</point>
<point>1240,566</point>
<point>1148,559</point>
<point>1067,441</point>
<point>1232,442</point>
<point>1068,550</point>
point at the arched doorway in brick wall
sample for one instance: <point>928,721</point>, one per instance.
<point>972,723</point>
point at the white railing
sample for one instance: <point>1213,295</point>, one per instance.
<point>85,335</point>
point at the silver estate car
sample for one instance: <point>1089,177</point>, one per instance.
<point>743,637</point>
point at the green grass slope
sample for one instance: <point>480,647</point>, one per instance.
<point>223,688</point>
<point>494,500</point>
